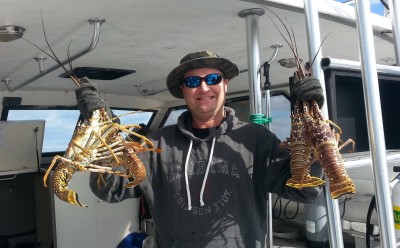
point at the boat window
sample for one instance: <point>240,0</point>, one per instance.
<point>134,117</point>
<point>60,123</point>
<point>280,113</point>
<point>172,116</point>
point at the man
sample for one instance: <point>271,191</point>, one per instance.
<point>208,187</point>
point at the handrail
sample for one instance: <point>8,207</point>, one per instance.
<point>395,9</point>
<point>314,41</point>
<point>344,64</point>
<point>375,124</point>
<point>97,21</point>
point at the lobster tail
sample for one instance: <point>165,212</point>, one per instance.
<point>300,156</point>
<point>319,135</point>
<point>60,179</point>
<point>69,196</point>
<point>300,168</point>
<point>332,162</point>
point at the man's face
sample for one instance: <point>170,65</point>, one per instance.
<point>205,99</point>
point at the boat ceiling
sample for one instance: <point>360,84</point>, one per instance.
<point>151,36</point>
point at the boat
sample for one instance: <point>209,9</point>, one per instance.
<point>128,48</point>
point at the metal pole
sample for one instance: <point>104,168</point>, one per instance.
<point>253,57</point>
<point>253,60</point>
<point>267,111</point>
<point>356,65</point>
<point>314,42</point>
<point>97,21</point>
<point>394,7</point>
<point>375,125</point>
<point>269,240</point>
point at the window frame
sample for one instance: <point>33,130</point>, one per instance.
<point>7,108</point>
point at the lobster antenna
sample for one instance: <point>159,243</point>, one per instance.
<point>48,44</point>
<point>294,36</point>
<point>39,48</point>
<point>55,59</point>
<point>72,75</point>
<point>295,52</point>
<point>283,24</point>
<point>292,44</point>
<point>69,55</point>
<point>70,63</point>
<point>54,56</point>
<point>319,48</point>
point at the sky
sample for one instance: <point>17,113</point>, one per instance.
<point>376,6</point>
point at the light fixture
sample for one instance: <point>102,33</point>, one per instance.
<point>10,33</point>
<point>289,62</point>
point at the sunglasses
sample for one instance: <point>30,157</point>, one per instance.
<point>195,81</point>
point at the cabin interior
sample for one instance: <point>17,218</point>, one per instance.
<point>132,47</point>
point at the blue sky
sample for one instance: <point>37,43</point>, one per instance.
<point>376,6</point>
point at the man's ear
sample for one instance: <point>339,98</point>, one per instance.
<point>226,85</point>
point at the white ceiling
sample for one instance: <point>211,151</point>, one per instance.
<point>151,36</point>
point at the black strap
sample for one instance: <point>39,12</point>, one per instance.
<point>369,228</point>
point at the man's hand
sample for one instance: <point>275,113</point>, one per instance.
<point>89,99</point>
<point>308,89</point>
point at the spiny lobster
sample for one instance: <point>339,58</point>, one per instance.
<point>312,137</point>
<point>97,145</point>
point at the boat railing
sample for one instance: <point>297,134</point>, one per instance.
<point>374,116</point>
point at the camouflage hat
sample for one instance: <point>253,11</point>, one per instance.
<point>199,60</point>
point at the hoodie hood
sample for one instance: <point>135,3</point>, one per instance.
<point>185,125</point>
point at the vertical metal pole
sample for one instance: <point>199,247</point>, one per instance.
<point>267,110</point>
<point>375,125</point>
<point>394,7</point>
<point>314,42</point>
<point>269,239</point>
<point>253,59</point>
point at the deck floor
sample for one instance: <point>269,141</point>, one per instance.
<point>281,243</point>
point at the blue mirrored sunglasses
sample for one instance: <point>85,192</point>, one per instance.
<point>195,81</point>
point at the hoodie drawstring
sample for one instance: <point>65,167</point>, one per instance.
<point>205,176</point>
<point>186,176</point>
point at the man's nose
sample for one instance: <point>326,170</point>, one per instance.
<point>203,85</point>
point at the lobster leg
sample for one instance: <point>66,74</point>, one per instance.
<point>318,134</point>
<point>135,168</point>
<point>300,156</point>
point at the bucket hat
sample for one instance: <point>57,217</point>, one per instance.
<point>199,60</point>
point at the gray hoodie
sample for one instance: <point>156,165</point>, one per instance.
<point>210,192</point>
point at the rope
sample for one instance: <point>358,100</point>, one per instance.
<point>260,119</point>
